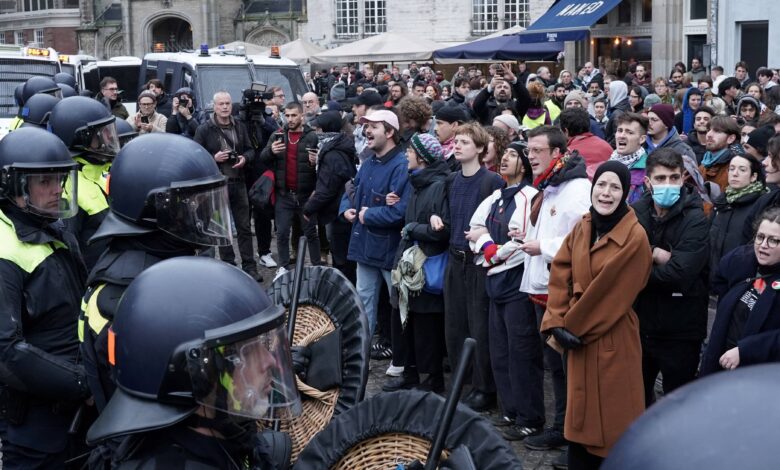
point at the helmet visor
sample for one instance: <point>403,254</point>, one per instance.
<point>251,377</point>
<point>100,138</point>
<point>200,215</point>
<point>47,193</point>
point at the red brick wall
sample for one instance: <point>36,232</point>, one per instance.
<point>63,40</point>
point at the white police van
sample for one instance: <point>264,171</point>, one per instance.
<point>207,72</point>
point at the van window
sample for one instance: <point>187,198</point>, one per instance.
<point>213,78</point>
<point>126,77</point>
<point>289,78</point>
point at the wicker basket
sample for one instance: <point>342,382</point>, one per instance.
<point>311,324</point>
<point>385,451</point>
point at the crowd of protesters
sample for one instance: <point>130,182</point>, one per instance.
<point>579,225</point>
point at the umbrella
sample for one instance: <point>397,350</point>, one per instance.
<point>251,49</point>
<point>497,48</point>
<point>299,51</point>
<point>385,47</point>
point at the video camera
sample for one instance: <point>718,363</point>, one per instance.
<point>252,107</point>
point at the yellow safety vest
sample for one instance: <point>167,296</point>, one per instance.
<point>25,255</point>
<point>16,123</point>
<point>92,186</point>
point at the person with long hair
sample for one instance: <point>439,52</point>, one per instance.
<point>594,279</point>
<point>499,140</point>
<point>636,99</point>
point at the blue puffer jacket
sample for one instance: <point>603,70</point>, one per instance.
<point>375,242</point>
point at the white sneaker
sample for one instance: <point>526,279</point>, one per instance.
<point>280,272</point>
<point>394,371</point>
<point>267,260</point>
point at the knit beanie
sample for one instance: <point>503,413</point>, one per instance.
<point>519,146</point>
<point>759,138</point>
<point>651,100</point>
<point>665,113</point>
<point>427,147</point>
<point>576,95</point>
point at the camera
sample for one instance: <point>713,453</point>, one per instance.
<point>232,157</point>
<point>252,107</point>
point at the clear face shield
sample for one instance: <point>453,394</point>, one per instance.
<point>55,92</point>
<point>49,193</point>
<point>100,138</point>
<point>196,214</point>
<point>251,378</point>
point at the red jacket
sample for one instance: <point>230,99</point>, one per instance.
<point>594,150</point>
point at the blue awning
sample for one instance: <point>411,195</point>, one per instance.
<point>567,20</point>
<point>500,48</point>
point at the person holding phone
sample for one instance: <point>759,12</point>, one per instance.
<point>147,119</point>
<point>185,117</point>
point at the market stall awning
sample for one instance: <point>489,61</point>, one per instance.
<point>385,47</point>
<point>567,20</point>
<point>497,48</point>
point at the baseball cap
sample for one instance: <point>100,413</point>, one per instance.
<point>388,117</point>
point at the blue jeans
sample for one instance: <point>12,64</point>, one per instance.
<point>369,281</point>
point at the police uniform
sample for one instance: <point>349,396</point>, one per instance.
<point>41,282</point>
<point>93,207</point>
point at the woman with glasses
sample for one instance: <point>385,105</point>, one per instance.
<point>747,324</point>
<point>636,99</point>
<point>147,119</point>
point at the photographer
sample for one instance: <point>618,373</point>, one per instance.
<point>147,120</point>
<point>260,123</point>
<point>228,141</point>
<point>184,119</point>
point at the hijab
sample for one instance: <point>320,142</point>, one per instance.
<point>602,224</point>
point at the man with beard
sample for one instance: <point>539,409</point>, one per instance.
<point>397,91</point>
<point>556,103</point>
<point>641,77</point>
<point>499,92</point>
<point>590,73</point>
<point>698,138</point>
<point>311,106</point>
<point>361,104</point>
<point>722,144</point>
<point>595,93</point>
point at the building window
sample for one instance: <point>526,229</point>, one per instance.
<point>346,18</point>
<point>624,13</point>
<point>375,17</point>
<point>39,37</point>
<point>35,5</point>
<point>2,37</point>
<point>484,16</point>
<point>647,10</point>
<point>19,36</point>
<point>515,13</point>
<point>698,9</point>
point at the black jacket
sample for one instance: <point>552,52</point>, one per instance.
<point>613,113</point>
<point>674,303</point>
<point>178,124</point>
<point>307,175</point>
<point>211,137</point>
<point>485,106</point>
<point>760,341</point>
<point>764,202</point>
<point>41,283</point>
<point>428,197</point>
<point>728,220</point>
<point>698,148</point>
<point>336,167</point>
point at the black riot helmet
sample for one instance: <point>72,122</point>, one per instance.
<point>192,331</point>
<point>37,174</point>
<point>40,84</point>
<point>125,132</point>
<point>170,183</point>
<point>37,109</point>
<point>18,96</point>
<point>65,78</point>
<point>67,90</point>
<point>86,126</point>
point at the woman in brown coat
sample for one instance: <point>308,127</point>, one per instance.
<point>599,270</point>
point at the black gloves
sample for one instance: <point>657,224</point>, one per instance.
<point>566,338</point>
<point>301,355</point>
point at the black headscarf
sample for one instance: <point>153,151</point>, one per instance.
<point>602,224</point>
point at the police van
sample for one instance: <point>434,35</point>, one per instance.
<point>207,72</point>
<point>126,71</point>
<point>17,64</point>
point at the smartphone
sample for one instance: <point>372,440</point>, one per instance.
<point>145,119</point>
<point>278,137</point>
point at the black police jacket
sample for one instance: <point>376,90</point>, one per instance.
<point>674,303</point>
<point>41,284</point>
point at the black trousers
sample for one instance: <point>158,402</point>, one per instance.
<point>556,366</point>
<point>516,356</point>
<point>677,360</point>
<point>263,228</point>
<point>466,315</point>
<point>239,208</point>
<point>338,238</point>
<point>419,346</point>
<point>289,206</point>
<point>581,459</point>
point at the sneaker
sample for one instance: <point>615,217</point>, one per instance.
<point>501,421</point>
<point>280,272</point>
<point>562,461</point>
<point>381,350</point>
<point>268,261</point>
<point>394,371</point>
<point>550,438</point>
<point>516,432</point>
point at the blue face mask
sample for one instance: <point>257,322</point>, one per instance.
<point>665,195</point>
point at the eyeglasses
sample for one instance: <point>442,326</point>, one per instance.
<point>535,151</point>
<point>112,89</point>
<point>771,242</point>
<point>279,96</point>
<point>147,104</point>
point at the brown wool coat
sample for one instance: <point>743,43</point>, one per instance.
<point>591,292</point>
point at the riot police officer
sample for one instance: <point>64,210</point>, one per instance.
<point>168,198</point>
<point>24,92</point>
<point>199,353</point>
<point>36,110</point>
<point>87,127</point>
<point>125,132</point>
<point>40,293</point>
